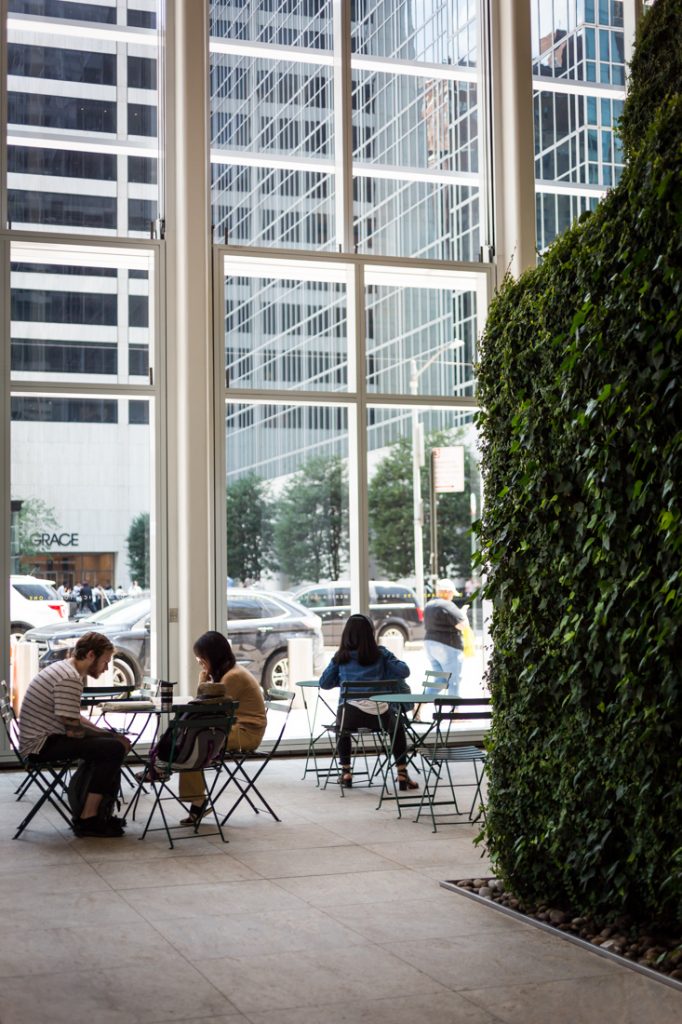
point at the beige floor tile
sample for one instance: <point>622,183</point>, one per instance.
<point>421,921</point>
<point>619,997</point>
<point>501,957</point>
<point>170,990</point>
<point>62,909</point>
<point>324,861</point>
<point>74,876</point>
<point>434,851</point>
<point>427,1008</point>
<point>359,887</point>
<point>27,952</point>
<point>251,935</point>
<point>163,903</point>
<point>300,979</point>
<point>130,848</point>
<point>457,869</point>
<point>268,835</point>
<point>179,871</point>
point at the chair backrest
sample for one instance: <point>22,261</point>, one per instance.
<point>436,680</point>
<point>450,711</point>
<point>9,720</point>
<point>281,702</point>
<point>362,689</point>
<point>197,735</point>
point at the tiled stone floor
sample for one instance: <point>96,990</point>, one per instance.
<point>335,915</point>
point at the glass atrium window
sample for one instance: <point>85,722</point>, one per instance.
<point>579,88</point>
<point>82,117</point>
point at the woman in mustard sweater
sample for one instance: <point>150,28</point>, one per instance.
<point>222,679</point>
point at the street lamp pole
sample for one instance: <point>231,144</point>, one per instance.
<point>417,503</point>
<point>417,463</point>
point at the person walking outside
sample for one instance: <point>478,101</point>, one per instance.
<point>444,622</point>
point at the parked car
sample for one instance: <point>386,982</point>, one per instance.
<point>393,608</point>
<point>259,626</point>
<point>34,602</point>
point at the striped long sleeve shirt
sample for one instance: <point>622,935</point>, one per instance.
<point>55,691</point>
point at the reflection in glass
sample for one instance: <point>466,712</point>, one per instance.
<point>82,118</point>
<point>287,493</point>
<point>575,41</point>
<point>81,472</point>
<point>286,333</point>
<point>86,319</point>
<point>272,112</point>
<point>420,340</point>
<point>444,541</point>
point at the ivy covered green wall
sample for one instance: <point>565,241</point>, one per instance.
<point>581,395</point>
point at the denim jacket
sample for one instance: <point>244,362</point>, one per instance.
<point>387,667</point>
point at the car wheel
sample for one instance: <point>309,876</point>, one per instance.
<point>17,630</point>
<point>276,672</point>
<point>123,673</point>
<point>394,634</point>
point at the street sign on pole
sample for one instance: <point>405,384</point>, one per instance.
<point>447,466</point>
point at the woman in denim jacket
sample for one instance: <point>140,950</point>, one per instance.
<point>359,659</point>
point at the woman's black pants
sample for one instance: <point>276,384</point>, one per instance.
<point>350,718</point>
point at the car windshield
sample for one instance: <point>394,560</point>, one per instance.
<point>121,611</point>
<point>36,591</point>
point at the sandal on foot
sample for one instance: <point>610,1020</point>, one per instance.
<point>405,782</point>
<point>196,813</point>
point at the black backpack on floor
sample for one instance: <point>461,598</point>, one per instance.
<point>78,789</point>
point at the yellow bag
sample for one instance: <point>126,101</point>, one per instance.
<point>468,641</point>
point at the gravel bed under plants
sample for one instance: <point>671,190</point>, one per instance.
<point>649,946</point>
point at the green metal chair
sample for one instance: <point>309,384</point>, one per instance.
<point>237,764</point>
<point>190,722</point>
<point>444,753</point>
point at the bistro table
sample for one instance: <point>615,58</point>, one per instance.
<point>311,710</point>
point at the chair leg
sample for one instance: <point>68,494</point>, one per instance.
<point>47,796</point>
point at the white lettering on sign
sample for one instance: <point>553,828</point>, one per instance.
<point>48,540</point>
<point>447,466</point>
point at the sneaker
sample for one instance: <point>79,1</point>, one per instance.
<point>97,828</point>
<point>115,822</point>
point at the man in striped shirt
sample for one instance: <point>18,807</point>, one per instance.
<point>51,728</point>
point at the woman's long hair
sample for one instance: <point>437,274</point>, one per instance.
<point>358,637</point>
<point>216,650</point>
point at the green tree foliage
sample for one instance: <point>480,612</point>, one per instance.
<point>249,529</point>
<point>391,512</point>
<point>581,429</point>
<point>35,516</point>
<point>311,528</point>
<point>137,544</point>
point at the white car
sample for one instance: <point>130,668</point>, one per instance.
<point>34,602</point>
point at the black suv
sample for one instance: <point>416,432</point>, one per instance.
<point>393,608</point>
<point>258,626</point>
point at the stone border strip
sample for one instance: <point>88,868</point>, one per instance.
<point>576,940</point>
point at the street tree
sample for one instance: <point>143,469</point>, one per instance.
<point>311,528</point>
<point>138,549</point>
<point>391,512</point>
<point>34,518</point>
<point>249,529</point>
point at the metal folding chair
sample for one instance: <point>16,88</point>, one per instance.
<point>237,764</point>
<point>49,776</point>
<point>444,754</point>
<point>321,743</point>
<point>188,721</point>
<point>367,745</point>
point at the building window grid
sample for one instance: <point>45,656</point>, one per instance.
<point>30,106</point>
<point>575,142</point>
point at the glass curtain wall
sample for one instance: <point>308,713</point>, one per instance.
<point>83,190</point>
<point>579,89</point>
<point>330,355</point>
